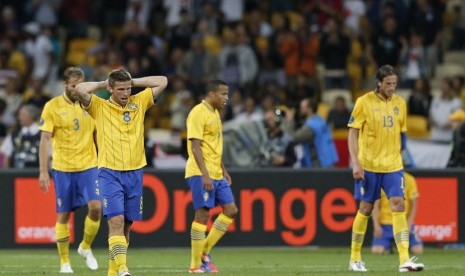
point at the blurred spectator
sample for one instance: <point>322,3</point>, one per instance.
<point>139,10</point>
<point>457,156</point>
<point>413,60</point>
<point>441,107</point>
<point>458,26</point>
<point>235,106</point>
<point>427,20</point>
<point>420,99</point>
<point>9,25</point>
<point>250,113</point>
<point>176,9</point>
<point>458,84</point>
<point>180,106</point>
<point>14,59</point>
<point>46,11</point>
<point>338,115</point>
<point>135,42</point>
<point>257,25</point>
<point>76,15</point>
<point>279,149</point>
<point>270,64</point>
<point>21,148</point>
<point>179,36</point>
<point>320,11</point>
<point>355,10</point>
<point>238,63</point>
<point>3,128</point>
<point>39,50</point>
<point>233,10</point>
<point>334,51</point>
<point>314,135</point>
<point>198,66</point>
<point>12,96</point>
<point>385,45</point>
<point>35,94</point>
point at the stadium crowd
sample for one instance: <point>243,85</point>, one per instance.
<point>283,61</point>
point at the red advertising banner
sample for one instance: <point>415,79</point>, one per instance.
<point>437,216</point>
<point>35,213</point>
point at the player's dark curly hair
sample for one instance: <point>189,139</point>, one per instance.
<point>213,85</point>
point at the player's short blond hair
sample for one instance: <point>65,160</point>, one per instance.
<point>73,72</point>
<point>120,75</point>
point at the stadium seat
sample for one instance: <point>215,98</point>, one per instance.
<point>328,96</point>
<point>447,70</point>
<point>417,127</point>
<point>77,50</point>
<point>404,93</point>
<point>323,110</point>
<point>454,57</point>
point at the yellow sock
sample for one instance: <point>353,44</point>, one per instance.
<point>90,231</point>
<point>359,228</point>
<point>197,243</point>
<point>62,237</point>
<point>401,235</point>
<point>112,267</point>
<point>216,233</point>
<point>118,248</point>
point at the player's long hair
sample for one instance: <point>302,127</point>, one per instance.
<point>384,71</point>
<point>120,75</point>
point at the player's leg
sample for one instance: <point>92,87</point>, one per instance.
<point>416,245</point>
<point>87,182</point>
<point>64,206</point>
<point>225,198</point>
<point>367,191</point>
<point>393,186</point>
<point>113,208</point>
<point>203,201</point>
<point>382,244</point>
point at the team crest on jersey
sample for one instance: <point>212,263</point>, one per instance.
<point>205,196</point>
<point>351,119</point>
<point>132,106</point>
<point>396,110</point>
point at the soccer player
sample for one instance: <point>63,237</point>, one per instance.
<point>207,177</point>
<point>382,220</point>
<point>120,141</point>
<point>377,124</point>
<point>70,132</point>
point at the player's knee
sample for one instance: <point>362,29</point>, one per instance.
<point>397,204</point>
<point>116,223</point>
<point>230,210</point>
<point>377,250</point>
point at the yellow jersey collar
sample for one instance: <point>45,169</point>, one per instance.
<point>68,100</point>
<point>377,94</point>
<point>117,104</point>
<point>208,106</point>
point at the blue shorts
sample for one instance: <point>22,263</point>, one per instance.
<point>388,238</point>
<point>75,189</point>
<point>220,195</point>
<point>369,189</point>
<point>121,193</point>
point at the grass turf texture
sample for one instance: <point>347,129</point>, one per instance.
<point>232,261</point>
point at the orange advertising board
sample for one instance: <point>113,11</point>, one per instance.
<point>35,213</point>
<point>437,215</point>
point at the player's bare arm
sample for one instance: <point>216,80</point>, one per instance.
<point>357,170</point>
<point>85,89</point>
<point>197,152</point>
<point>44,150</point>
<point>157,83</point>
<point>226,174</point>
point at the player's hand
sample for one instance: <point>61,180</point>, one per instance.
<point>228,178</point>
<point>207,184</point>
<point>44,182</point>
<point>357,172</point>
<point>377,231</point>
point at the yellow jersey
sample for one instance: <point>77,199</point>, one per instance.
<point>381,123</point>
<point>410,192</point>
<point>204,123</point>
<point>120,131</point>
<point>73,145</point>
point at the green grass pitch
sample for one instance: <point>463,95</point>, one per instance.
<point>232,261</point>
